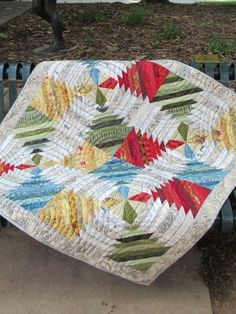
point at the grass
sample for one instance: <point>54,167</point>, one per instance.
<point>209,23</point>
<point>136,16</point>
<point>3,35</point>
<point>170,31</point>
<point>89,16</point>
<point>222,46</point>
<point>218,2</point>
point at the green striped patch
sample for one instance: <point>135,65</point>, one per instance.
<point>108,132</point>
<point>33,125</point>
<point>180,109</point>
<point>172,88</point>
<point>137,249</point>
<point>142,265</point>
<point>171,78</point>
<point>138,252</point>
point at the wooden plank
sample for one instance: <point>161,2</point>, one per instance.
<point>207,58</point>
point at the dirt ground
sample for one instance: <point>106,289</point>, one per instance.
<point>219,271</point>
<point>111,38</point>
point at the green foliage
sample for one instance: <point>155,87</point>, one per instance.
<point>3,35</point>
<point>209,23</point>
<point>170,31</point>
<point>136,16</point>
<point>88,16</point>
<point>219,45</point>
<point>219,2</point>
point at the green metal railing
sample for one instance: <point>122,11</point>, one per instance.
<point>13,77</point>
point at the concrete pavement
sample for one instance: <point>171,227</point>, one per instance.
<point>36,279</point>
<point>10,9</point>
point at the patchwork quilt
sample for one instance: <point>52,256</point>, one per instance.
<point>121,164</point>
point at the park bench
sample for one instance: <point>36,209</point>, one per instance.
<point>14,75</point>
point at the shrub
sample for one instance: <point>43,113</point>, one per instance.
<point>209,23</point>
<point>171,31</point>
<point>3,35</point>
<point>219,45</point>
<point>136,16</point>
<point>91,15</point>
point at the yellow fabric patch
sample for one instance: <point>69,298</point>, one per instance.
<point>52,99</point>
<point>87,157</point>
<point>67,212</point>
<point>225,132</point>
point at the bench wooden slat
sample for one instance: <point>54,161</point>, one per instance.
<point>209,69</point>
<point>12,83</point>
<point>224,74</point>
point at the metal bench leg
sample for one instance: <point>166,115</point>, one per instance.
<point>3,222</point>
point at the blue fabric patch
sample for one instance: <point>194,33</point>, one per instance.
<point>116,170</point>
<point>34,193</point>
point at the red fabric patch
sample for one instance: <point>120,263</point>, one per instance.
<point>138,149</point>
<point>153,76</point>
<point>142,197</point>
<point>182,193</point>
<point>22,167</point>
<point>109,83</point>
<point>172,144</point>
<point>6,167</point>
<point>141,150</point>
<point>144,77</point>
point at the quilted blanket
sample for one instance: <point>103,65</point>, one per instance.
<point>121,164</point>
